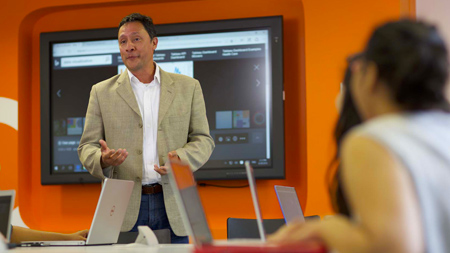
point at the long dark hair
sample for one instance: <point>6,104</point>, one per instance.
<point>348,118</point>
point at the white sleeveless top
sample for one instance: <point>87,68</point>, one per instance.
<point>421,141</point>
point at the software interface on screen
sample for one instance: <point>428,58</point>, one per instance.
<point>234,72</point>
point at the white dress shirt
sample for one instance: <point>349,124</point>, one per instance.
<point>147,96</point>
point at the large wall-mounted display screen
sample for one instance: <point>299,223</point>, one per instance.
<point>238,64</point>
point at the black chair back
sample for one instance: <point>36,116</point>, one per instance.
<point>247,228</point>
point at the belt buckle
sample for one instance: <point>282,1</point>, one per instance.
<point>151,189</point>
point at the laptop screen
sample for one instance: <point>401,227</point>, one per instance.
<point>189,197</point>
<point>6,206</point>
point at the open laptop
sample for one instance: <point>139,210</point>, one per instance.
<point>252,185</point>
<point>290,206</point>
<point>185,190</point>
<point>193,216</point>
<point>6,209</point>
<point>108,218</point>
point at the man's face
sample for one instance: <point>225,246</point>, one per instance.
<point>136,47</point>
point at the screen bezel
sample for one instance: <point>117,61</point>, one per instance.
<point>275,25</point>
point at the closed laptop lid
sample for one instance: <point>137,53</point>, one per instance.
<point>186,194</point>
<point>108,218</point>
<point>290,206</point>
<point>110,212</point>
<point>6,208</point>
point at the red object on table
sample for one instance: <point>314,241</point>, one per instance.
<point>306,247</point>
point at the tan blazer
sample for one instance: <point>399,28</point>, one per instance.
<point>113,115</point>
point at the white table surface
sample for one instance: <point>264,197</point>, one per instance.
<point>162,248</point>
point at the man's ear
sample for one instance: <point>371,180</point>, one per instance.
<point>371,76</point>
<point>154,43</point>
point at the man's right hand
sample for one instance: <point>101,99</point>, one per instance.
<point>110,157</point>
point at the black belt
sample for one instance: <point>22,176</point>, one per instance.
<point>151,189</point>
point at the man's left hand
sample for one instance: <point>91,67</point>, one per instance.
<point>173,154</point>
<point>163,169</point>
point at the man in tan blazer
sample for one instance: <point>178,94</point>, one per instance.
<point>136,120</point>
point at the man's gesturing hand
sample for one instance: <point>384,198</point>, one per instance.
<point>111,157</point>
<point>163,169</point>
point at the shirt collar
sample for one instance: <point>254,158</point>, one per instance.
<point>156,78</point>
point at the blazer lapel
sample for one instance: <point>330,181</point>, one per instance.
<point>126,92</point>
<point>166,96</point>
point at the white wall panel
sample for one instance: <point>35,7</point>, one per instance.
<point>437,12</point>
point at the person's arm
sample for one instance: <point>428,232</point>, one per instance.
<point>20,234</point>
<point>382,198</point>
<point>200,144</point>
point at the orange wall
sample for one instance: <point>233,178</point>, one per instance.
<point>318,35</point>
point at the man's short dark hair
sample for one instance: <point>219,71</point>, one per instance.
<point>146,21</point>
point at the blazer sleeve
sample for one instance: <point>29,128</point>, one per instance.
<point>200,144</point>
<point>89,148</point>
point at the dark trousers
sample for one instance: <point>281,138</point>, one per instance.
<point>153,214</point>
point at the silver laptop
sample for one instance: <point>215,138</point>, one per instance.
<point>108,218</point>
<point>290,206</point>
<point>6,208</point>
<point>193,215</point>
<point>252,185</point>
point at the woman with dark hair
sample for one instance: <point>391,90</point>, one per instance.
<point>395,167</point>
